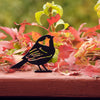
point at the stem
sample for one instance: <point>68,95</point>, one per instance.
<point>99,20</point>
<point>50,15</point>
<point>53,28</point>
<point>43,28</point>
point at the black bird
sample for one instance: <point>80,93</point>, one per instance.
<point>39,54</point>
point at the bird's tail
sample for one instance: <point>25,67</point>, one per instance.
<point>18,65</point>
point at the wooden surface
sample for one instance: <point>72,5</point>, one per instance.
<point>48,85</point>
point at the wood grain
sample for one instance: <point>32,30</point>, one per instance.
<point>48,85</point>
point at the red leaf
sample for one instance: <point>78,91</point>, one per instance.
<point>90,31</point>
<point>10,70</point>
<point>75,33</point>
<point>65,51</point>
<point>54,19</point>
<point>22,27</point>
<point>24,22</point>
<point>4,48</point>
<point>27,38</point>
<point>7,59</point>
<point>93,29</point>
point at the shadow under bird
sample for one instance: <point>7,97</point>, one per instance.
<point>39,54</point>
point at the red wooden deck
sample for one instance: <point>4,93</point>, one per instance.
<point>48,85</point>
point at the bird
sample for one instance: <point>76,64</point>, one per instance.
<point>39,54</point>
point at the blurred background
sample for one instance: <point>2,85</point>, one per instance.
<point>75,12</point>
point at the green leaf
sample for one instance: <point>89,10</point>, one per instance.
<point>97,9</point>
<point>38,16</point>
<point>55,57</point>
<point>17,45</point>
<point>59,22</point>
<point>66,25</point>
<point>58,9</point>
<point>97,48</point>
<point>51,7</point>
<point>11,51</point>
<point>62,22</point>
<point>58,44</point>
<point>46,11</point>
<point>47,7</point>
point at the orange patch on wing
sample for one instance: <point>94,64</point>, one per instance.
<point>47,41</point>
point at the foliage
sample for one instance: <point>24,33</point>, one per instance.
<point>77,50</point>
<point>78,12</point>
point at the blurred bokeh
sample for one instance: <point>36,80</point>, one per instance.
<point>75,12</point>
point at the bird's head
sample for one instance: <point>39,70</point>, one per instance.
<point>45,40</point>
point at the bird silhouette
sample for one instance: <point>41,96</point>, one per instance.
<point>39,54</point>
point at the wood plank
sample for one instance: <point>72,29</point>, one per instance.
<point>48,85</point>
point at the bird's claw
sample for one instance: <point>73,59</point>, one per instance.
<point>42,71</point>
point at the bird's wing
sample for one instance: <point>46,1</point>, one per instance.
<point>36,54</point>
<point>33,53</point>
<point>39,57</point>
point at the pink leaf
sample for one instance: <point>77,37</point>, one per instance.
<point>79,30</point>
<point>71,59</point>
<point>26,67</point>
<point>1,50</point>
<point>9,31</point>
<point>6,44</point>
<point>2,35</point>
<point>22,29</point>
<point>59,66</point>
<point>34,24</point>
<point>91,70</point>
<point>17,58</point>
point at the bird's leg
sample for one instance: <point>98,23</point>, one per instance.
<point>46,70</point>
<point>40,70</point>
<point>39,67</point>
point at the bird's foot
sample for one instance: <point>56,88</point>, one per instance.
<point>43,71</point>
